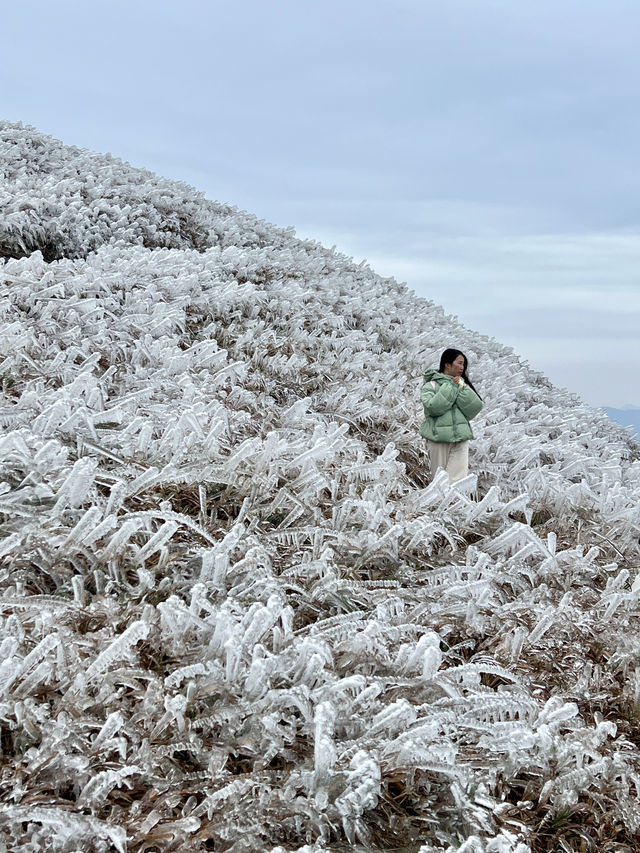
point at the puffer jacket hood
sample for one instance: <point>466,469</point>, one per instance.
<point>432,373</point>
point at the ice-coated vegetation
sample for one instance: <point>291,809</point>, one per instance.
<point>236,613</point>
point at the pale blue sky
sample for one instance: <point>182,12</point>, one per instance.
<point>483,151</point>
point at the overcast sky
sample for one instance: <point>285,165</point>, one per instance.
<point>483,151</point>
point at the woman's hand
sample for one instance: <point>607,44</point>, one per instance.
<point>456,379</point>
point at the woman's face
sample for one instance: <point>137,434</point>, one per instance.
<point>456,368</point>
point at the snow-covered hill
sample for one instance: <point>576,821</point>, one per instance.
<point>235,612</point>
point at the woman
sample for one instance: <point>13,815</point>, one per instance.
<point>450,401</point>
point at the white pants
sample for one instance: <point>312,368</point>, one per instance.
<point>454,458</point>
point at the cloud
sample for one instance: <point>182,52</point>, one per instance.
<point>565,323</point>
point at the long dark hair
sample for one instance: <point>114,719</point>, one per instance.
<point>448,357</point>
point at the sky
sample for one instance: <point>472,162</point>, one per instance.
<point>482,151</point>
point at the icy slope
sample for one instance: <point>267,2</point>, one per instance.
<point>235,613</point>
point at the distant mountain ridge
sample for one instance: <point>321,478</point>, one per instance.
<point>236,610</point>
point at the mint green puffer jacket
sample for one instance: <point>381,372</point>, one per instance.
<point>448,408</point>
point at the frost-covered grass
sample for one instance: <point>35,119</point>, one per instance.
<point>235,612</point>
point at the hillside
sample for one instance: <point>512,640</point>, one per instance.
<point>235,612</point>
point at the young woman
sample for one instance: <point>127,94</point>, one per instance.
<point>450,401</point>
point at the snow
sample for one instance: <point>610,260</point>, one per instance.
<point>236,613</point>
